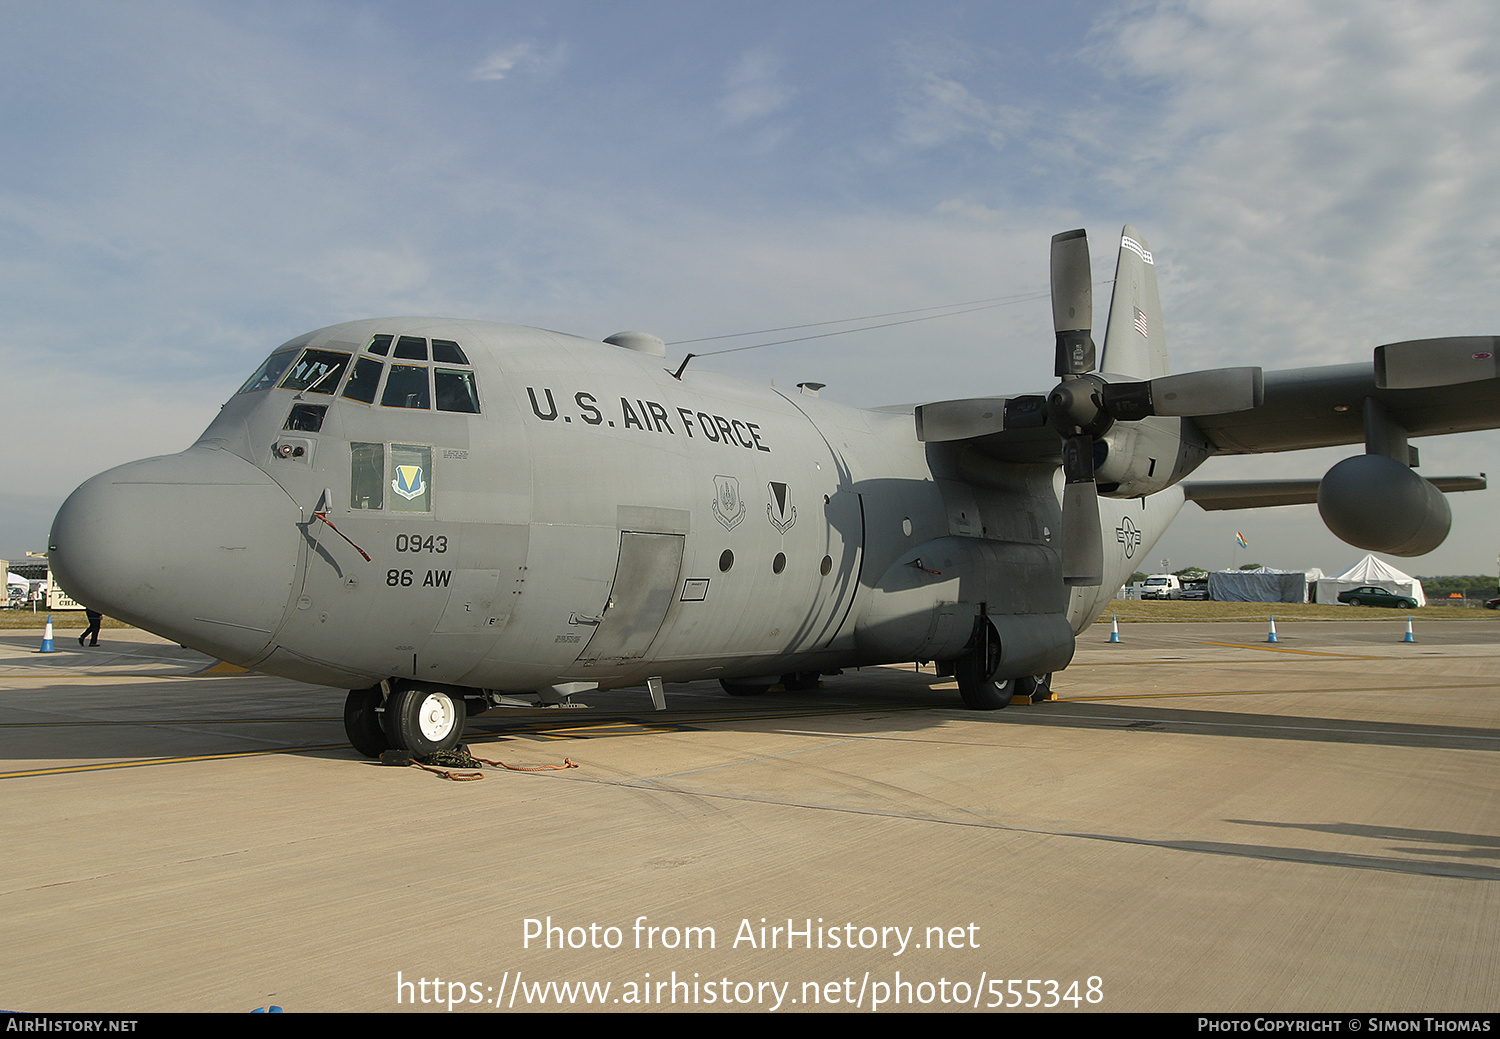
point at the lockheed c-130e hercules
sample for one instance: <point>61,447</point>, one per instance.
<point>450,516</point>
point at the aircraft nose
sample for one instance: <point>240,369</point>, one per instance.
<point>199,547</point>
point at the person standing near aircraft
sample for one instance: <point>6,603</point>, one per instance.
<point>96,620</point>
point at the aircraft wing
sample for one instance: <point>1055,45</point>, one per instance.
<point>1324,407</point>
<point>1302,408</point>
<point>1216,495</point>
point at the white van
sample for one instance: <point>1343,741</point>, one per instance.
<point>1161,586</point>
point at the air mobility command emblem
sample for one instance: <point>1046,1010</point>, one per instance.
<point>729,507</point>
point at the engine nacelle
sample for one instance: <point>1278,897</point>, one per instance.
<point>1376,503</point>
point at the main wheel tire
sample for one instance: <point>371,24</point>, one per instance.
<point>423,721</point>
<point>1038,687</point>
<point>362,722</point>
<point>975,673</point>
<point>800,681</point>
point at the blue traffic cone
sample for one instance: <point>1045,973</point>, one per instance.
<point>1114,628</point>
<point>1408,637</point>
<point>47,637</point>
<point>1272,636</point>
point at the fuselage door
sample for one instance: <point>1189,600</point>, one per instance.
<point>643,589</point>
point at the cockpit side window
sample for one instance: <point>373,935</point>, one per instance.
<point>316,371</point>
<point>380,345</point>
<point>454,390</point>
<point>266,375</point>
<point>366,378</point>
<point>406,387</point>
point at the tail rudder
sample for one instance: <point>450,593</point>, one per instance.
<point>1134,341</point>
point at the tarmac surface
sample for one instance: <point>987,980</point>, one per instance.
<point>1203,821</point>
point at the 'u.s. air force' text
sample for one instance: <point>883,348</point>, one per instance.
<point>648,416</point>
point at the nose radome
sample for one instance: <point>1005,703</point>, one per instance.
<point>199,547</point>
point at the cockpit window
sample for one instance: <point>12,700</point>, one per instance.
<point>411,348</point>
<point>266,375</point>
<point>446,351</point>
<point>406,387</point>
<point>306,418</point>
<point>366,476</point>
<point>380,345</point>
<point>366,378</point>
<point>454,390</point>
<point>316,371</point>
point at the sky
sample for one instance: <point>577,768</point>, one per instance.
<point>184,186</point>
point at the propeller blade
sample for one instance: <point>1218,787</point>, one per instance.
<point>1217,391</point>
<point>1082,544</point>
<point>1072,303</point>
<point>1418,363</point>
<point>1028,411</point>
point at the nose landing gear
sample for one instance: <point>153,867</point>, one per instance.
<point>419,719</point>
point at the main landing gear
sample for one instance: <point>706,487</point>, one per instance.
<point>979,686</point>
<point>416,718</point>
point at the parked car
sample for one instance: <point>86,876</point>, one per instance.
<point>1195,590</point>
<point>1492,604</point>
<point>1369,595</point>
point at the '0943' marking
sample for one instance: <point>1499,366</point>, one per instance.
<point>417,543</point>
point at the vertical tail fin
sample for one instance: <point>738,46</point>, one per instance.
<point>1134,341</point>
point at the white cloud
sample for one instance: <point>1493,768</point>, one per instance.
<point>1331,169</point>
<point>502,62</point>
<point>754,89</point>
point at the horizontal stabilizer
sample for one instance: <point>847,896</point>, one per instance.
<point>1216,495</point>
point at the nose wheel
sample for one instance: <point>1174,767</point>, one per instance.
<point>420,720</point>
<point>423,720</point>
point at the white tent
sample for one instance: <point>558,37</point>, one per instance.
<point>11,577</point>
<point>1372,571</point>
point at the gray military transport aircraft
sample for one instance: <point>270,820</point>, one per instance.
<point>450,516</point>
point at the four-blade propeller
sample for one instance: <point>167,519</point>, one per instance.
<point>1085,404</point>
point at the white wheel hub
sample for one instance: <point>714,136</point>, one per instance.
<point>436,716</point>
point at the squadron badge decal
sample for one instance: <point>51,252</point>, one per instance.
<point>408,482</point>
<point>780,511</point>
<point>729,507</point>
